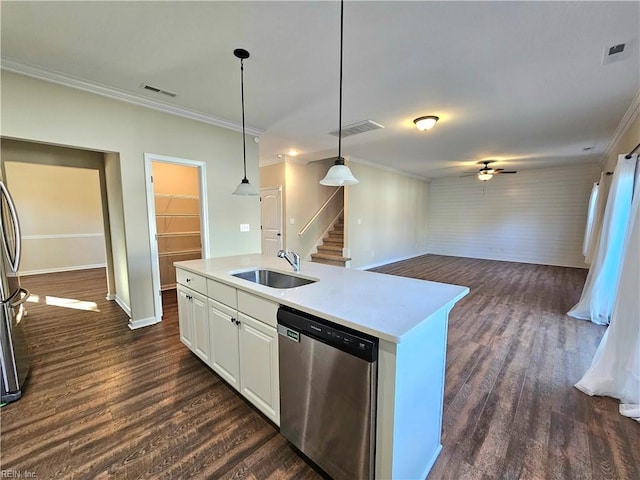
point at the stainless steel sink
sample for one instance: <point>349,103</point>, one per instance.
<point>273,279</point>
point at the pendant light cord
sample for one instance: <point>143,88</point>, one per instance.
<point>340,161</point>
<point>244,147</point>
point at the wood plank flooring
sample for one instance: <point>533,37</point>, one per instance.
<point>103,401</point>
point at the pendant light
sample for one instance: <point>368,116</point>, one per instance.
<point>245,188</point>
<point>339,174</point>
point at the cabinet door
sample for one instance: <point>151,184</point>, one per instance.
<point>259,374</point>
<point>185,316</point>
<point>224,343</point>
<point>200,341</point>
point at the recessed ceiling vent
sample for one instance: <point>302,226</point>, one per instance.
<point>356,128</point>
<point>162,91</point>
<point>615,53</point>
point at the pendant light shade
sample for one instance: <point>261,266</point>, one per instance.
<point>245,188</point>
<point>339,174</point>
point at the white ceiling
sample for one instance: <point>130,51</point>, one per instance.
<point>520,82</point>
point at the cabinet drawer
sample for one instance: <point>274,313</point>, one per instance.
<point>257,307</point>
<point>192,280</point>
<point>222,292</point>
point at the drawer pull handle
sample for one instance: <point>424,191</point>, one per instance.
<point>237,322</point>
<point>188,280</point>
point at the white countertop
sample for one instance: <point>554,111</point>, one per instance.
<point>384,306</point>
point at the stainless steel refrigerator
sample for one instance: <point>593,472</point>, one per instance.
<point>14,353</point>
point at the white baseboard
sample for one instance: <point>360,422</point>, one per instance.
<point>123,305</point>
<point>394,260</point>
<point>110,297</point>
<point>24,273</point>
<point>143,322</point>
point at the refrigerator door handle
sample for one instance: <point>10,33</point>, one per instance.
<point>13,257</point>
<point>24,294</point>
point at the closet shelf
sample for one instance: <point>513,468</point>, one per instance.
<point>179,234</point>
<point>179,252</point>
<point>169,195</point>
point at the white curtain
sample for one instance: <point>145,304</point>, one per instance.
<point>615,369</point>
<point>598,295</point>
<point>604,186</point>
<point>591,214</point>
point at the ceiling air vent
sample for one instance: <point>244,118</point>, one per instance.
<point>356,128</point>
<point>151,88</point>
<point>614,53</point>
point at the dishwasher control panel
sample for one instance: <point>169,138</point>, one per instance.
<point>293,323</point>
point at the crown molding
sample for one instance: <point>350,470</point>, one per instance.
<point>98,89</point>
<point>385,168</point>
<point>629,117</point>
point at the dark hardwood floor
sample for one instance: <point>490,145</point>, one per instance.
<point>103,401</point>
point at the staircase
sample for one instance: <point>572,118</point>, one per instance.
<point>330,252</point>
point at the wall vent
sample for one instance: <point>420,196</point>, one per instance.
<point>615,53</point>
<point>162,91</point>
<point>356,128</point>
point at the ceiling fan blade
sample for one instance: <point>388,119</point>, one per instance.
<point>506,171</point>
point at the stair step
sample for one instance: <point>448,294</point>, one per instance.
<point>328,259</point>
<point>333,241</point>
<point>335,234</point>
<point>335,249</point>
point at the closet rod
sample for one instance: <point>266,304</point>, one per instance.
<point>632,151</point>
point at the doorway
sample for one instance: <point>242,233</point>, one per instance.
<point>271,220</point>
<point>177,214</point>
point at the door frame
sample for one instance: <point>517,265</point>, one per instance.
<point>149,158</point>
<point>282,232</point>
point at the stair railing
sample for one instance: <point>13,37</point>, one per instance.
<point>317,214</point>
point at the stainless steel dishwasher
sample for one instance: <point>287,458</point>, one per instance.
<point>328,379</point>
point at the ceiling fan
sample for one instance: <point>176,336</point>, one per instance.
<point>486,173</point>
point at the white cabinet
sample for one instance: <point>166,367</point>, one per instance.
<point>185,316</point>
<point>234,332</point>
<point>193,321</point>
<point>225,356</point>
<point>259,377</point>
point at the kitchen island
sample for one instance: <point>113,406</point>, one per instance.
<point>408,316</point>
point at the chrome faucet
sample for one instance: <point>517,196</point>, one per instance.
<point>288,256</point>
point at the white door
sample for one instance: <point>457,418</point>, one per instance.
<point>271,202</point>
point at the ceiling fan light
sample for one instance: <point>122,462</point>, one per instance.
<point>338,176</point>
<point>485,176</point>
<point>426,123</point>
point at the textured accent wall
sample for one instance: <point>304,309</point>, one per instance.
<point>532,217</point>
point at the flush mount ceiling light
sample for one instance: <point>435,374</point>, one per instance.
<point>339,174</point>
<point>426,123</point>
<point>245,188</point>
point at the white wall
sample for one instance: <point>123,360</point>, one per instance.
<point>531,217</point>
<point>49,113</point>
<point>60,216</point>
<point>386,216</point>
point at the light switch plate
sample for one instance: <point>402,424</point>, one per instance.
<point>245,227</point>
